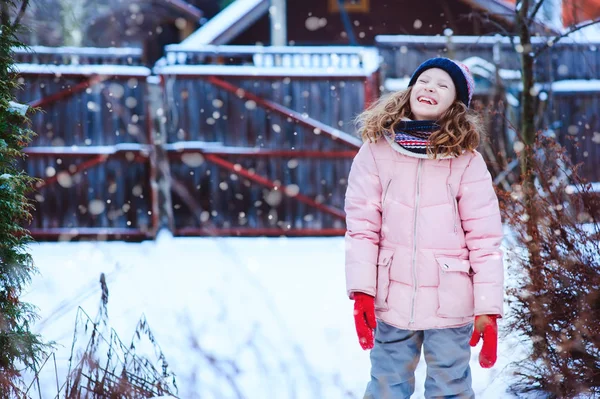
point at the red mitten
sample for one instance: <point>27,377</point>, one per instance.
<point>364,319</point>
<point>486,328</point>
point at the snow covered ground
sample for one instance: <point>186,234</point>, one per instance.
<point>276,307</point>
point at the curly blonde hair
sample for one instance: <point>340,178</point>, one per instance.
<point>459,130</point>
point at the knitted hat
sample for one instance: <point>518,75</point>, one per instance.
<point>460,74</point>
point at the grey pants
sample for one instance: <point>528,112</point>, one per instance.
<point>396,354</point>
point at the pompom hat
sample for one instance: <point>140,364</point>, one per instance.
<point>460,74</point>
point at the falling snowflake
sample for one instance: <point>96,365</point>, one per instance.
<point>562,70</point>
<point>292,190</point>
<point>292,163</point>
<point>193,160</point>
<point>64,179</point>
<point>273,197</point>
<point>518,146</point>
<point>96,207</point>
<point>116,90</point>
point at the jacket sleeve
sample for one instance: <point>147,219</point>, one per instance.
<point>363,223</point>
<point>480,216</point>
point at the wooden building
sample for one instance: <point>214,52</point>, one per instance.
<point>322,22</point>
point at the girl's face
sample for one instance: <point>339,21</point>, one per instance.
<point>432,94</point>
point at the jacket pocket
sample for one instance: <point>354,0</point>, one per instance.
<point>455,291</point>
<point>384,263</point>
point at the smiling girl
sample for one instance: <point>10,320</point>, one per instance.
<point>423,259</point>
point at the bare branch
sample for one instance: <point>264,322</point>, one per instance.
<point>573,29</point>
<point>485,18</point>
<point>535,10</point>
<point>21,12</point>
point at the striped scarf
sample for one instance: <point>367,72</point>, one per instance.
<point>414,136</point>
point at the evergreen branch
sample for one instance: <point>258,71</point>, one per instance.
<point>18,345</point>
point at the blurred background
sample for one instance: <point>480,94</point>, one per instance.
<point>235,118</point>
<point>184,147</point>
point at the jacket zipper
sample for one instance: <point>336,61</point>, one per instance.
<point>414,262</point>
<point>387,187</point>
<point>454,208</point>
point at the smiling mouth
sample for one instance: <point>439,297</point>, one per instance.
<point>427,100</point>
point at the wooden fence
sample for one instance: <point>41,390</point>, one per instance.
<point>575,118</point>
<point>93,147</point>
<point>263,150</point>
<point>567,73</point>
<point>565,59</point>
<point>259,148</point>
<point>242,140</point>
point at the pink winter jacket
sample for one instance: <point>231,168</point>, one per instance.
<point>423,237</point>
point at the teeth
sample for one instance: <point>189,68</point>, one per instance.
<point>425,99</point>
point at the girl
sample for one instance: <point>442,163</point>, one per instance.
<point>423,237</point>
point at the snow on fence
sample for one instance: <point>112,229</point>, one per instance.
<point>42,55</point>
<point>335,58</point>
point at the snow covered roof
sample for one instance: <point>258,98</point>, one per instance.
<point>227,24</point>
<point>505,11</point>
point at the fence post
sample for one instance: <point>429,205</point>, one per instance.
<point>162,170</point>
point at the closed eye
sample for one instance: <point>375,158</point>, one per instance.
<point>443,86</point>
